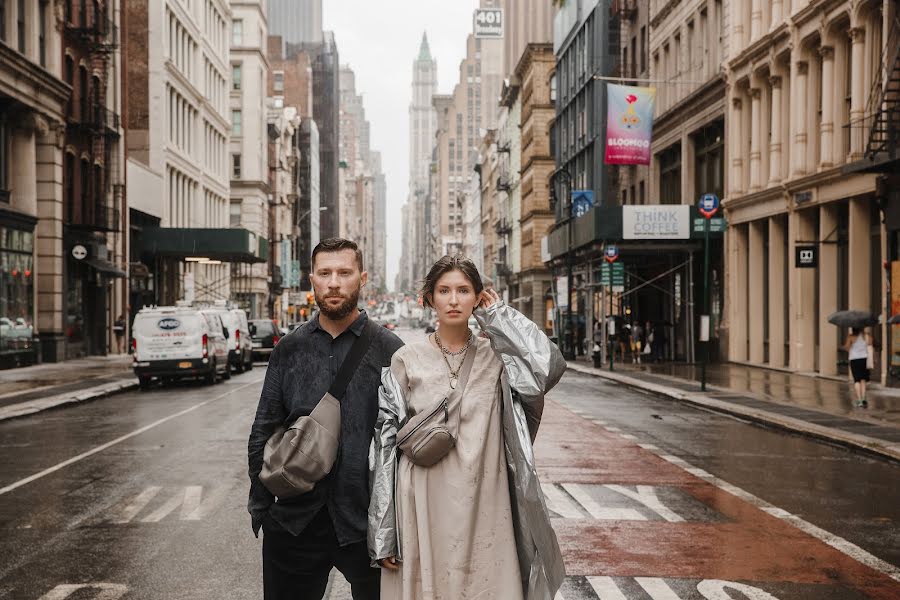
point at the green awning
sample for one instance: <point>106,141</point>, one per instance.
<point>227,245</point>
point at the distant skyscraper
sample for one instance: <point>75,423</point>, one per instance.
<point>296,21</point>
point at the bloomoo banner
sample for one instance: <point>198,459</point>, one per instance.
<point>629,124</point>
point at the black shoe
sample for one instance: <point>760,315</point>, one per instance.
<point>864,404</point>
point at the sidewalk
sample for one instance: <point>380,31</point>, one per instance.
<point>819,407</point>
<point>28,390</point>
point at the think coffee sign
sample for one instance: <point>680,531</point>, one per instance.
<point>656,222</point>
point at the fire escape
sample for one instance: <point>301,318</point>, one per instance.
<point>883,106</point>
<point>503,227</point>
<point>103,190</point>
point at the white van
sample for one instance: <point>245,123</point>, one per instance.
<point>172,342</point>
<point>240,346</point>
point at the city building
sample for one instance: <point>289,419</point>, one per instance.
<point>422,128</point>
<point>253,285</point>
<point>812,220</point>
<point>179,122</point>
<point>296,21</point>
<point>34,110</point>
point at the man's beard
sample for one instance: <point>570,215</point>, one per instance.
<point>340,311</point>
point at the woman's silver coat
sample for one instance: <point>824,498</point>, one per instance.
<point>533,365</point>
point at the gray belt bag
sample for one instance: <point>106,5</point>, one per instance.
<point>427,437</point>
<point>303,453</point>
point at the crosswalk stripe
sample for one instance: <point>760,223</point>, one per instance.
<point>601,512</point>
<point>657,588</point>
<point>559,502</point>
<point>606,588</point>
<point>137,505</point>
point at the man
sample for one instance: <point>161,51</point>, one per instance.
<point>304,537</point>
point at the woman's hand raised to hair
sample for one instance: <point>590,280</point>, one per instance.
<point>488,298</point>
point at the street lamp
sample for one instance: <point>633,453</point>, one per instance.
<point>562,173</point>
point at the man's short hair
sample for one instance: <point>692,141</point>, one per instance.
<point>337,245</point>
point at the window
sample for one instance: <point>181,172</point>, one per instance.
<point>670,175</point>
<point>237,33</point>
<point>553,88</point>
<point>236,117</point>
<point>278,84</point>
<point>69,186</point>
<point>235,166</point>
<point>4,159</point>
<point>643,49</point>
<point>234,213</point>
<point>70,77</point>
<point>3,20</point>
<point>235,77</point>
<point>709,164</point>
<point>42,33</point>
<point>21,25</point>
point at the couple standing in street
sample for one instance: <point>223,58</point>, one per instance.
<point>434,492</point>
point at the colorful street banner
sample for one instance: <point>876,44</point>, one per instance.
<point>629,124</point>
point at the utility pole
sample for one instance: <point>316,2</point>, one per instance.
<point>709,206</point>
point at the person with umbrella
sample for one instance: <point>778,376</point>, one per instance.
<point>859,348</point>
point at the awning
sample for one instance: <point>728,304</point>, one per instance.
<point>105,267</point>
<point>226,245</point>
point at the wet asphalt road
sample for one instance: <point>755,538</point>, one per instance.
<point>142,496</point>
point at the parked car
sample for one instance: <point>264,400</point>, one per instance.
<point>264,334</point>
<point>170,342</point>
<point>240,346</point>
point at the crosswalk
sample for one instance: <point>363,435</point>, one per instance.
<point>155,503</point>
<point>575,501</point>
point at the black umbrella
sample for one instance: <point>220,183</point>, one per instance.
<point>852,318</point>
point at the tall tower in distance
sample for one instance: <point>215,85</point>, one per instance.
<point>296,21</point>
<point>422,118</point>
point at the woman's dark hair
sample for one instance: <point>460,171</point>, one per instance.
<point>337,245</point>
<point>445,265</point>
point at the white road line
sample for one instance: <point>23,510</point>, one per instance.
<point>649,447</point>
<point>107,591</point>
<point>601,512</point>
<point>657,588</point>
<point>606,588</point>
<point>628,436</point>
<point>614,429</point>
<point>118,440</point>
<point>163,511</point>
<point>647,496</point>
<point>137,505</point>
<point>559,502</point>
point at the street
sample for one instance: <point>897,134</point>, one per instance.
<point>143,495</point>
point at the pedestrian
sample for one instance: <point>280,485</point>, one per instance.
<point>859,348</point>
<point>461,528</point>
<point>637,342</point>
<point>659,342</point>
<point>119,331</point>
<point>305,536</point>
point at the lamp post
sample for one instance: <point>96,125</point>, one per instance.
<point>569,346</point>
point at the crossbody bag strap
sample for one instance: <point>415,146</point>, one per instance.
<point>456,395</point>
<point>352,362</point>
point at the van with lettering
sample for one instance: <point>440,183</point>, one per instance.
<point>174,342</point>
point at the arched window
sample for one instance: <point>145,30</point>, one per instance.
<point>96,97</point>
<point>83,92</point>
<point>70,79</point>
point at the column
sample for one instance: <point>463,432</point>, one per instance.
<point>738,30</point>
<point>755,151</point>
<point>755,20</point>
<point>777,265</point>
<point>775,142</point>
<point>777,17</point>
<point>802,296</point>
<point>736,238</point>
<point>800,74</point>
<point>828,284</point>
<point>756,290</point>
<point>737,161</point>
<point>860,253</point>
<point>826,129</point>
<point>51,253</point>
<point>857,92</point>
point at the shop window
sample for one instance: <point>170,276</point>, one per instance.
<point>16,292</point>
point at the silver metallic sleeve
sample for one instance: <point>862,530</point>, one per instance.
<point>533,363</point>
<point>383,535</point>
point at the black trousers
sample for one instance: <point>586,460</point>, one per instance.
<point>297,567</point>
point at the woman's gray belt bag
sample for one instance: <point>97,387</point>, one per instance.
<point>299,455</point>
<point>427,437</point>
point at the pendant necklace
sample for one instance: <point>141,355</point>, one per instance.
<point>445,354</point>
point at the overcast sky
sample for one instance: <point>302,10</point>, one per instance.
<point>379,40</point>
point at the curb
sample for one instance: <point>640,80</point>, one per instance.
<point>25,409</point>
<point>868,445</point>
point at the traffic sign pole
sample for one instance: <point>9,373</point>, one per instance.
<point>705,304</point>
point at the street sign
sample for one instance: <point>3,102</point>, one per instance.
<point>716,225</point>
<point>613,274</point>
<point>806,257</point>
<point>488,23</point>
<point>709,205</point>
<point>612,253</point>
<point>605,274</point>
<point>582,202</point>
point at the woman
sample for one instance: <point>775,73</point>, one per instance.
<point>473,525</point>
<point>857,345</point>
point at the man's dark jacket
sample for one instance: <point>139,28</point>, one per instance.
<point>301,369</point>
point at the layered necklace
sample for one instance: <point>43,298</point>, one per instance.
<point>446,355</point>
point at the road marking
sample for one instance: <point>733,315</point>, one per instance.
<point>628,436</point>
<point>118,440</point>
<point>657,588</point>
<point>137,505</point>
<point>559,502</point>
<point>714,589</point>
<point>614,429</point>
<point>606,588</point>
<point>601,512</point>
<point>646,496</point>
<point>105,591</point>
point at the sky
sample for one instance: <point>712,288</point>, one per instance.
<point>379,39</point>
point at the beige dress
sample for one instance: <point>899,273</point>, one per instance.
<point>456,530</point>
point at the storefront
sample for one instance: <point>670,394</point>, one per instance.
<point>17,291</point>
